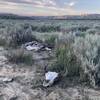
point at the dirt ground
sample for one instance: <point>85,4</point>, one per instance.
<point>20,82</point>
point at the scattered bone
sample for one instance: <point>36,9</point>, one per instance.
<point>6,79</point>
<point>50,78</point>
<point>48,49</point>
<point>36,46</point>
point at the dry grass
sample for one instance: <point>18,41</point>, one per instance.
<point>19,56</point>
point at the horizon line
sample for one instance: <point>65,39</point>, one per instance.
<point>82,14</point>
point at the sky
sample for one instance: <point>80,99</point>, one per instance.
<point>50,7</point>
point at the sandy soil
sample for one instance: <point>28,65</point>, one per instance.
<point>20,82</point>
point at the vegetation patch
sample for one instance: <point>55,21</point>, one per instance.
<point>19,56</point>
<point>2,42</point>
<point>51,40</point>
<point>66,62</point>
<point>46,28</point>
<point>21,36</point>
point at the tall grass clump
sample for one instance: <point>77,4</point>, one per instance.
<point>66,61</point>
<point>19,56</point>
<point>20,36</point>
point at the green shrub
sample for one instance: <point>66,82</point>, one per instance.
<point>45,28</point>
<point>2,42</point>
<point>19,56</point>
<point>49,28</point>
<point>92,31</point>
<point>87,50</point>
<point>83,28</point>
<point>21,36</point>
<point>51,40</point>
<point>80,34</point>
<point>67,63</point>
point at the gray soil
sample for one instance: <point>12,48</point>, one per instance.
<point>20,82</point>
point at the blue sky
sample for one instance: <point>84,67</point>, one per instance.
<point>50,7</point>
